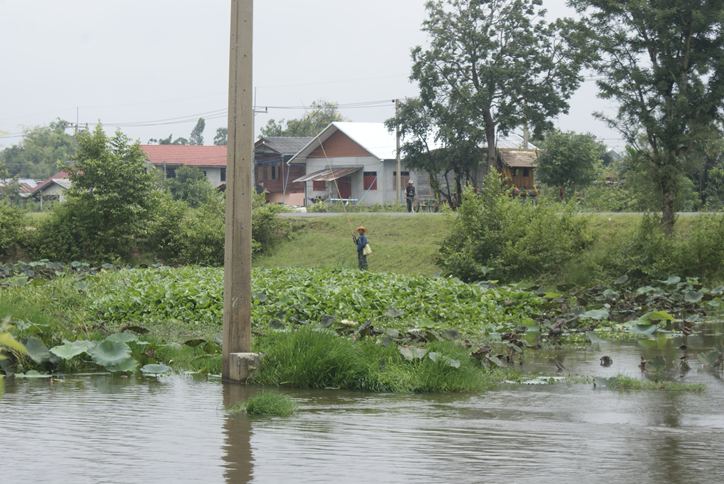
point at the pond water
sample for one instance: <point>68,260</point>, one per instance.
<point>119,430</point>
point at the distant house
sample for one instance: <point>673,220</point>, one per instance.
<point>273,175</point>
<point>518,166</point>
<point>209,159</point>
<point>52,189</point>
<point>354,162</point>
<point>25,186</point>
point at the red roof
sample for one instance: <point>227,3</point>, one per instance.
<point>61,175</point>
<point>189,155</point>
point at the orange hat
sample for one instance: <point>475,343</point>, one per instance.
<point>361,229</point>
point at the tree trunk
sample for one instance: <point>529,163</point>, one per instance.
<point>490,139</point>
<point>667,210</point>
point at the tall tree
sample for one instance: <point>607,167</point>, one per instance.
<point>197,134</point>
<point>40,152</point>
<point>222,137</point>
<point>190,185</point>
<point>321,114</point>
<point>569,159</point>
<point>499,64</point>
<point>663,63</point>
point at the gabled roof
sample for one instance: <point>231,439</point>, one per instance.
<point>376,139</point>
<point>519,158</point>
<point>61,179</point>
<point>284,145</point>
<point>372,137</point>
<point>187,155</point>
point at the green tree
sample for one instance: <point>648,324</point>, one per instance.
<point>322,113</point>
<point>495,65</point>
<point>197,134</point>
<point>662,63</point>
<point>222,137</point>
<point>40,152</point>
<point>568,160</point>
<point>108,205</point>
<point>448,156</point>
<point>191,186</point>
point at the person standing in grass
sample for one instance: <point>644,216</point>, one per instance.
<point>360,241</point>
<point>410,195</point>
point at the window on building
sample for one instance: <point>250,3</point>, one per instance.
<point>205,173</point>
<point>223,174</point>
<point>526,172</point>
<point>370,180</point>
<point>170,172</point>
<point>405,178</point>
<point>273,172</point>
<point>319,186</point>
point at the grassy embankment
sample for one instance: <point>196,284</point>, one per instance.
<point>410,245</point>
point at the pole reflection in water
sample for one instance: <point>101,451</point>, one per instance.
<point>238,458</point>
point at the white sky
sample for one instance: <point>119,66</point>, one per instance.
<point>137,61</point>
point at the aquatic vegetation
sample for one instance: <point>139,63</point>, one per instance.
<point>626,383</point>
<point>266,404</point>
<point>319,358</point>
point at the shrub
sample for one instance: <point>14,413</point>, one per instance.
<point>508,238</point>
<point>11,225</point>
<point>164,237</point>
<point>108,206</point>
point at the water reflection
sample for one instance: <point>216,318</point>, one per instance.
<point>238,458</point>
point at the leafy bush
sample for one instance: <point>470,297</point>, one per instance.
<point>191,186</point>
<point>11,225</point>
<point>495,234</point>
<point>108,206</point>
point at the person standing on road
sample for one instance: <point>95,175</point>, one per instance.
<point>410,195</point>
<point>360,241</point>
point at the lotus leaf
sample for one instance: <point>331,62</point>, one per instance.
<point>656,316</point>
<point>33,375</point>
<point>595,314</point>
<point>36,350</point>
<point>71,349</point>
<point>127,365</point>
<point>411,353</point>
<point>155,370</point>
<point>124,337</point>
<point>693,297</point>
<point>108,353</point>
<point>444,359</point>
<point>672,280</point>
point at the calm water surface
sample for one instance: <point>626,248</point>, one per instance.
<point>113,430</point>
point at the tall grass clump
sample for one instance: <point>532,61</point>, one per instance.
<point>266,404</point>
<point>311,358</point>
<point>627,383</point>
<point>316,358</point>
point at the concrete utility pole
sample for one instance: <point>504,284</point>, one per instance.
<point>399,167</point>
<point>237,359</point>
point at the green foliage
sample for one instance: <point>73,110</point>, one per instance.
<point>660,63</point>
<point>569,159</point>
<point>191,186</point>
<point>267,404</point>
<point>222,137</point>
<point>197,134</point>
<point>627,383</point>
<point>493,66</point>
<point>497,236</point>
<point>108,205</point>
<point>40,152</point>
<point>316,358</point>
<point>11,228</point>
<point>321,114</point>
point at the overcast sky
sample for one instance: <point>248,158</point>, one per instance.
<point>165,62</point>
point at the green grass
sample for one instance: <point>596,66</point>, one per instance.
<point>627,383</point>
<point>266,404</point>
<point>401,244</point>
<point>311,358</point>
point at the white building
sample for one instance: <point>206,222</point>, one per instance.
<point>355,162</point>
<point>209,159</point>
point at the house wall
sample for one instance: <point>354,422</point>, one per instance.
<point>213,174</point>
<point>339,145</point>
<point>368,163</point>
<point>263,174</point>
<point>55,190</point>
